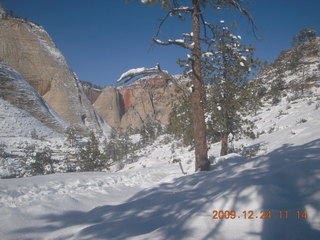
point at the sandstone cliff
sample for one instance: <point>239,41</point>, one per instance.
<point>29,49</point>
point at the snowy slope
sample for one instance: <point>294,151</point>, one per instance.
<point>152,199</point>
<point>16,90</point>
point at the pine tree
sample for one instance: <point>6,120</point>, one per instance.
<point>228,64</point>
<point>71,134</point>
<point>306,34</point>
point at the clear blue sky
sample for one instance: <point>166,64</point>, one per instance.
<point>101,39</point>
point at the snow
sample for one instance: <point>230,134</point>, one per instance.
<point>180,40</point>
<point>158,41</point>
<point>152,199</point>
<point>243,58</point>
<point>208,54</point>
<point>182,8</point>
<point>233,36</point>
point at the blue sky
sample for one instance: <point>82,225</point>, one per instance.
<point>101,39</point>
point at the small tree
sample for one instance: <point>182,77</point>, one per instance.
<point>277,86</point>
<point>306,34</point>
<point>71,134</point>
<point>34,134</point>
<point>90,155</point>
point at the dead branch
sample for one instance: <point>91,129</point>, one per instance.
<point>246,13</point>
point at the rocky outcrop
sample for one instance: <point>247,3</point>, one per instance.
<point>17,91</point>
<point>28,48</point>
<point>131,106</point>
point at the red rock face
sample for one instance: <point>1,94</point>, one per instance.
<point>126,95</point>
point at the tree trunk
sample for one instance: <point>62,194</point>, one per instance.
<point>224,144</point>
<point>199,126</point>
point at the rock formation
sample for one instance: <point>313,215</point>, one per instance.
<point>28,48</point>
<point>131,106</point>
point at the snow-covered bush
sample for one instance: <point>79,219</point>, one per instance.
<point>249,152</point>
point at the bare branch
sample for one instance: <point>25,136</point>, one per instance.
<point>246,13</point>
<point>162,21</point>
<point>204,25</point>
<point>176,10</point>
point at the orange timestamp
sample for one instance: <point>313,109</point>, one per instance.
<point>263,214</point>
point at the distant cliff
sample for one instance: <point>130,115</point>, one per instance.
<point>28,48</point>
<point>131,106</point>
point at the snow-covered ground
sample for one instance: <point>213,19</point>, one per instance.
<point>152,199</point>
